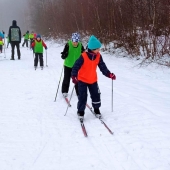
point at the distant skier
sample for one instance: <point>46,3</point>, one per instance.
<point>70,54</point>
<point>32,37</point>
<point>15,39</point>
<point>1,44</point>
<point>38,45</point>
<point>84,74</point>
<point>2,34</point>
<point>26,38</point>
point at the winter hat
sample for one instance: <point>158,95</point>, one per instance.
<point>75,37</point>
<point>38,36</point>
<point>94,43</point>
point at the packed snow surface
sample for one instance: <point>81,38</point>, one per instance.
<point>35,134</point>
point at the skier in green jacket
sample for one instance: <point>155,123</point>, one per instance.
<point>26,38</point>
<point>1,44</point>
<point>38,45</point>
<point>72,51</point>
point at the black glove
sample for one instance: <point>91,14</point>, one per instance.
<point>64,55</point>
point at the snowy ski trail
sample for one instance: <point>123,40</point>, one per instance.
<point>35,134</point>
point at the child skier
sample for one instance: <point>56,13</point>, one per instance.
<point>26,38</point>
<point>84,74</point>
<point>70,54</point>
<point>1,44</point>
<point>38,45</point>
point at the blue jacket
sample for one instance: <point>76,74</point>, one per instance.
<point>1,35</point>
<point>102,66</point>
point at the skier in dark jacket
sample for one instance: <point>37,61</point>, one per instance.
<point>84,74</point>
<point>70,54</point>
<point>15,38</point>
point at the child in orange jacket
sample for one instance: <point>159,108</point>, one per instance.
<point>84,73</point>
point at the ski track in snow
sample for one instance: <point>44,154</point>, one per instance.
<point>35,134</point>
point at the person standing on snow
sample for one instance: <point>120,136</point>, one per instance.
<point>84,74</point>
<point>1,44</point>
<point>38,45</point>
<point>70,54</point>
<point>15,38</point>
<point>26,38</point>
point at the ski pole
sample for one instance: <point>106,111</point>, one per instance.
<point>69,100</point>
<point>4,46</point>
<point>112,95</point>
<point>59,83</point>
<point>46,59</point>
<point>4,54</point>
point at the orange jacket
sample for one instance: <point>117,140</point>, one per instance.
<point>87,72</point>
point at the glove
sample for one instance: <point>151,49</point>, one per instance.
<point>112,76</point>
<point>64,55</point>
<point>74,79</point>
<point>46,48</point>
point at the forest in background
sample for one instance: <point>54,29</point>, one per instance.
<point>141,27</point>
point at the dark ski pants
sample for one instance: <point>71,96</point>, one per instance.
<point>1,49</point>
<point>94,94</point>
<point>13,44</point>
<point>40,57</point>
<point>25,42</point>
<point>8,44</point>
<point>66,81</point>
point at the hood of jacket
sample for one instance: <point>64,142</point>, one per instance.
<point>14,23</point>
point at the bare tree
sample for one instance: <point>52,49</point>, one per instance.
<point>141,27</point>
